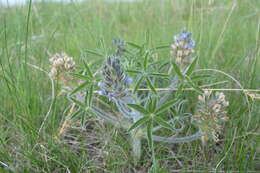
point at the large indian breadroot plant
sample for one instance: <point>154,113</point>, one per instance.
<point>149,114</point>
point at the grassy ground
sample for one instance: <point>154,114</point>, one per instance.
<point>227,33</point>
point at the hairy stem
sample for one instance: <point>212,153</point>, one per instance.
<point>136,147</point>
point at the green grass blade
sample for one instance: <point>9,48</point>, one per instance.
<point>80,87</point>
<point>92,52</point>
<point>79,76</point>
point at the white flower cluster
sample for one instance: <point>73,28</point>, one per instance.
<point>211,114</point>
<point>61,63</point>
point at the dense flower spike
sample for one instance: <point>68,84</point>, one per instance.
<point>115,80</point>
<point>211,114</point>
<point>61,63</point>
<point>182,48</point>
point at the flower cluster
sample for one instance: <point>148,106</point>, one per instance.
<point>61,63</point>
<point>115,80</point>
<point>211,114</point>
<point>182,48</point>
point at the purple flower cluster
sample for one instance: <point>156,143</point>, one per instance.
<point>115,80</point>
<point>183,47</point>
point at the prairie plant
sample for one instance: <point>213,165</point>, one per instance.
<point>148,114</point>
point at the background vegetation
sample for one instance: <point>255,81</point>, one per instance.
<point>227,36</point>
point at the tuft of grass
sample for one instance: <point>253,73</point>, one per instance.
<point>227,35</point>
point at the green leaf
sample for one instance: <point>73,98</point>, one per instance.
<point>199,77</point>
<point>147,37</point>
<point>180,89</point>
<point>191,67</point>
<point>177,71</point>
<point>173,111</point>
<point>80,87</point>
<point>82,120</point>
<point>193,85</point>
<point>134,71</point>
<point>158,74</point>
<point>162,47</point>
<point>134,45</point>
<point>88,69</point>
<point>166,106</point>
<point>139,108</point>
<point>139,122</point>
<point>163,123</point>
<point>76,114</point>
<point>149,83</point>
<point>138,83</point>
<point>150,133</point>
<point>79,76</point>
<point>90,95</point>
<point>77,102</point>
<point>152,104</point>
<point>94,53</point>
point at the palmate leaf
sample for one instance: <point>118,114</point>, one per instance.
<point>138,123</point>
<point>158,75</point>
<point>139,108</point>
<point>166,106</point>
<point>80,87</point>
<point>180,89</point>
<point>138,83</point>
<point>152,104</point>
<point>177,71</point>
<point>150,85</point>
<point>163,123</point>
<point>90,95</point>
<point>88,69</point>
<point>193,85</point>
<point>191,67</point>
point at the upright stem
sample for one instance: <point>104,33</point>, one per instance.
<point>136,146</point>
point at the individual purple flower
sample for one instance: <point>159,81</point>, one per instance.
<point>128,80</point>
<point>183,36</point>
<point>189,45</point>
<point>111,95</point>
<point>102,92</point>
